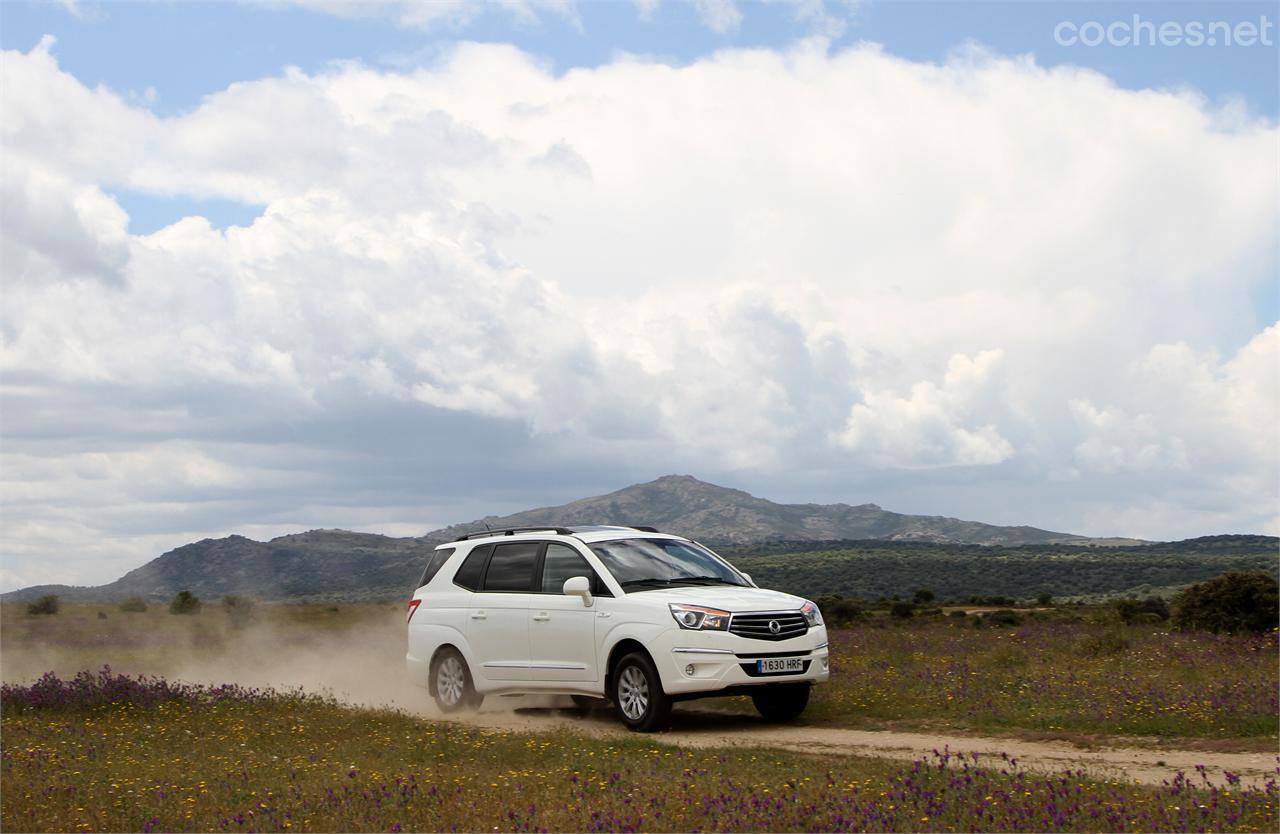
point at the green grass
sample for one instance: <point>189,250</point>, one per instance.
<point>281,763</point>
<point>1053,676</point>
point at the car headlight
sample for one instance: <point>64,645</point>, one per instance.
<point>811,614</point>
<point>698,618</point>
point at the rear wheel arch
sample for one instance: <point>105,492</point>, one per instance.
<point>431,664</point>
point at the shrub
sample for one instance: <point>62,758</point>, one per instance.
<point>1004,617</point>
<point>133,605</point>
<point>959,615</point>
<point>1150,609</point>
<point>1045,599</point>
<point>902,610</point>
<point>47,604</point>
<point>923,597</point>
<point>839,611</point>
<point>184,603</point>
<point>1233,602</point>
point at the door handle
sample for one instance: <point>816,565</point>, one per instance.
<point>477,615</point>
<point>604,615</point>
<point>543,617</point>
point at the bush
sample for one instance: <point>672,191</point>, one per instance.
<point>839,611</point>
<point>1233,602</point>
<point>134,605</point>
<point>1044,600</point>
<point>184,603</point>
<point>959,615</point>
<point>47,604</point>
<point>923,597</point>
<point>1004,617</point>
<point>1132,610</point>
<point>902,610</point>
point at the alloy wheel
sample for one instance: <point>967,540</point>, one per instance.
<point>450,680</point>
<point>633,692</point>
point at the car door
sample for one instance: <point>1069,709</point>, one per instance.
<point>562,639</point>
<point>498,626</point>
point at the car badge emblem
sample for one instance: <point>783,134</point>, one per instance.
<point>774,626</point>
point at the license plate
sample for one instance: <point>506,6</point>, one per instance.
<point>780,664</point>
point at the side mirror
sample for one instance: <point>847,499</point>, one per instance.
<point>579,586</point>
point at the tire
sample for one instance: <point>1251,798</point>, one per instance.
<point>451,682</point>
<point>781,701</point>
<point>638,697</point>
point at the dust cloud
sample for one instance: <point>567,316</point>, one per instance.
<point>354,653</point>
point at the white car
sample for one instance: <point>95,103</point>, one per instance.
<point>627,614</point>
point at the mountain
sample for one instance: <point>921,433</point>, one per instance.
<point>337,564</point>
<point>316,565</point>
<point>714,514</point>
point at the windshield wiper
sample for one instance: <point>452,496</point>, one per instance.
<point>706,580</point>
<point>652,580</point>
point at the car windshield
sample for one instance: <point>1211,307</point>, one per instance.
<point>640,564</point>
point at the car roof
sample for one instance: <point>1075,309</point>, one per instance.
<point>587,533</point>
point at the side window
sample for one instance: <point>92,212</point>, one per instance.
<point>511,568</point>
<point>563,562</point>
<point>469,575</point>
<point>434,564</point>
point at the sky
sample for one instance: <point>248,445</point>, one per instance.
<point>389,266</point>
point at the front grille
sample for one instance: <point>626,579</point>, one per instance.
<point>759,626</point>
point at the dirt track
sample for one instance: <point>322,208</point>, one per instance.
<point>692,727</point>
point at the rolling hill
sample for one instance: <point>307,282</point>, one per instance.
<point>342,565</point>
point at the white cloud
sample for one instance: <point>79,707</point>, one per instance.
<point>933,425</point>
<point>718,15</point>
<point>763,262</point>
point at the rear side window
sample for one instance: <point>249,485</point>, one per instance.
<point>434,564</point>
<point>511,568</point>
<point>472,570</point>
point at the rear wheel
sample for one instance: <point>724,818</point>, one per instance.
<point>781,701</point>
<point>451,682</point>
<point>638,697</point>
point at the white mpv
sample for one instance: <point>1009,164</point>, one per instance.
<point>627,614</point>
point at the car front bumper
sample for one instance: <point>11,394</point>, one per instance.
<point>700,662</point>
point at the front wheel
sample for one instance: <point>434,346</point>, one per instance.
<point>638,696</point>
<point>781,701</point>
<point>451,682</point>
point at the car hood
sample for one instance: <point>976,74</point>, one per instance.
<point>724,597</point>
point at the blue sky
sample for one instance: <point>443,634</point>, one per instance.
<point>184,51</point>
<point>432,277</point>
<point>187,50</point>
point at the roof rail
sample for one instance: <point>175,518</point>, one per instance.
<point>645,528</point>
<point>511,531</point>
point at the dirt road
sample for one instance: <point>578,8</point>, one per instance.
<point>692,727</point>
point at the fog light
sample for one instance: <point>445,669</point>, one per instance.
<point>826,664</point>
<point>688,670</point>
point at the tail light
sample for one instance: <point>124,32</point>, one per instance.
<point>413,607</point>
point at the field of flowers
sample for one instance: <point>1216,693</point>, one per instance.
<point>1063,675</point>
<point>106,753</point>
<point>1073,677</point>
